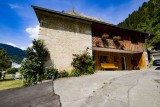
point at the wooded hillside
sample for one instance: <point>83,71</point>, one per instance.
<point>146,18</point>
<point>15,54</point>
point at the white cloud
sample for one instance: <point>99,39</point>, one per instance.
<point>15,65</point>
<point>14,45</point>
<point>30,45</point>
<point>33,32</point>
<point>13,6</point>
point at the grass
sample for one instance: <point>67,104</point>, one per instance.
<point>9,83</point>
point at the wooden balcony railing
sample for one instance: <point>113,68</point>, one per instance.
<point>124,45</point>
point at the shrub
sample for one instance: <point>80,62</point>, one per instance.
<point>105,36</point>
<point>63,74</point>
<point>51,72</point>
<point>90,70</point>
<point>83,62</point>
<point>11,70</point>
<point>116,38</point>
<point>0,74</point>
<point>75,73</point>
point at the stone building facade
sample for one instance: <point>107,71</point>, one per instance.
<point>64,37</point>
<point>67,33</point>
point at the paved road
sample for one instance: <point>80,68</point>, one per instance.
<point>111,89</point>
<point>35,96</point>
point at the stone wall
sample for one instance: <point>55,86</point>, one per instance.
<point>64,37</point>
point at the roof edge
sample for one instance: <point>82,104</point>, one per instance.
<point>87,19</point>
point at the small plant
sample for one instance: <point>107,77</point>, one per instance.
<point>98,42</point>
<point>90,70</point>
<point>75,73</point>
<point>63,74</point>
<point>116,38</point>
<point>83,63</point>
<point>51,72</point>
<point>105,36</point>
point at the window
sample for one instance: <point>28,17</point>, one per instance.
<point>134,40</point>
<point>133,61</point>
<point>115,59</point>
<point>103,59</point>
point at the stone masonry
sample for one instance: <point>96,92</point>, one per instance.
<point>64,37</point>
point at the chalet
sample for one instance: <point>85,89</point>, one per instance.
<point>67,33</point>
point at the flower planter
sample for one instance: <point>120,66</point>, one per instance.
<point>104,36</point>
<point>98,43</point>
<point>123,46</point>
<point>116,38</point>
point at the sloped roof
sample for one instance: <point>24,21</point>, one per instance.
<point>72,12</point>
<point>88,19</point>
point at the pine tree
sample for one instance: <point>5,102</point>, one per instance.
<point>32,68</point>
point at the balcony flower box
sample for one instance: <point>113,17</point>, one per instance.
<point>97,43</point>
<point>116,38</point>
<point>105,36</point>
<point>123,46</point>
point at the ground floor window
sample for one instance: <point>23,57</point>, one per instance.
<point>103,59</point>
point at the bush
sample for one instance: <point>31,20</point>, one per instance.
<point>83,63</point>
<point>90,70</point>
<point>63,74</point>
<point>0,74</point>
<point>51,72</point>
<point>75,73</point>
<point>11,70</point>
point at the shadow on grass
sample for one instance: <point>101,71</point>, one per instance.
<point>6,80</point>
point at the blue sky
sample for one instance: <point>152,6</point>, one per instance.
<point>19,25</point>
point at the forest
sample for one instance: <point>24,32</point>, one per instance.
<point>146,19</point>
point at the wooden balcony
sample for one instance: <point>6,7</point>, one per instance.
<point>120,45</point>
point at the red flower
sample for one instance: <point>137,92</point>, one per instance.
<point>105,36</point>
<point>98,41</point>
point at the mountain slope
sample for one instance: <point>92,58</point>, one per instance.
<point>15,54</point>
<point>146,18</point>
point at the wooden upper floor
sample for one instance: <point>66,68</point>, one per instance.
<point>127,40</point>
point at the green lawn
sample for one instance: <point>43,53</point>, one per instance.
<point>9,83</point>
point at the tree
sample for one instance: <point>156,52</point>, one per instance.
<point>5,62</point>
<point>32,68</point>
<point>12,70</point>
<point>146,18</point>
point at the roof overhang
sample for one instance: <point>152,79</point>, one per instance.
<point>114,50</point>
<point>87,19</point>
